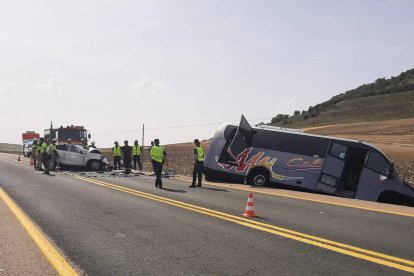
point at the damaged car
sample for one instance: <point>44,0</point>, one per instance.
<point>75,156</point>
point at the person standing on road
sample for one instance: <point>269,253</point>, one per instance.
<point>158,157</point>
<point>34,153</point>
<point>117,156</point>
<point>42,151</point>
<point>52,155</point>
<point>127,154</point>
<point>198,164</point>
<point>84,144</point>
<point>93,145</point>
<point>136,155</point>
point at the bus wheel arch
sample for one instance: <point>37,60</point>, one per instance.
<point>258,176</point>
<point>392,197</point>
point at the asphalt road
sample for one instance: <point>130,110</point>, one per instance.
<point>105,227</point>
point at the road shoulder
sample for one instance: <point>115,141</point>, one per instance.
<point>18,253</point>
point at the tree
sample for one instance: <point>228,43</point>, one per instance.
<point>296,113</point>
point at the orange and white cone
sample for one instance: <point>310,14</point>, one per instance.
<point>249,207</point>
<point>18,158</point>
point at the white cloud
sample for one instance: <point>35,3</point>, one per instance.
<point>145,85</point>
<point>55,82</point>
<point>8,90</point>
<point>286,106</point>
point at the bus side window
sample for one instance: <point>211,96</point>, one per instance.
<point>338,150</point>
<point>378,163</point>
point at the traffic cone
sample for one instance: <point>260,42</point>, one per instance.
<point>249,207</point>
<point>18,158</point>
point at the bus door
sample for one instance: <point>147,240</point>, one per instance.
<point>237,143</point>
<point>333,168</point>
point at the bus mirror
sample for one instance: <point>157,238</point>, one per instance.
<point>89,136</point>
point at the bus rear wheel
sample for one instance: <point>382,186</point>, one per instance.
<point>259,177</point>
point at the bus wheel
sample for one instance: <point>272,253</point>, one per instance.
<point>259,177</point>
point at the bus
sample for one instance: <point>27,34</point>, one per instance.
<point>263,154</point>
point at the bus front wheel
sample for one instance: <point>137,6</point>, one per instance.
<point>259,177</point>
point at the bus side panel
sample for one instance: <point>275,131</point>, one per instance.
<point>372,184</point>
<point>309,179</point>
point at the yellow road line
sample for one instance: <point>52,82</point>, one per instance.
<point>311,199</point>
<point>52,255</point>
<point>357,252</point>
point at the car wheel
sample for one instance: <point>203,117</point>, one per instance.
<point>94,165</point>
<point>259,178</point>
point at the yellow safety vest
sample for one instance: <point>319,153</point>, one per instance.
<point>157,153</point>
<point>136,150</point>
<point>51,149</point>
<point>42,147</point>
<point>200,153</point>
<point>117,150</point>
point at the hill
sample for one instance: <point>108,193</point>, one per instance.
<point>384,99</point>
<point>366,109</point>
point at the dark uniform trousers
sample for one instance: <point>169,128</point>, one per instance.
<point>127,162</point>
<point>117,162</point>
<point>157,166</point>
<point>137,159</point>
<point>45,161</point>
<point>197,171</point>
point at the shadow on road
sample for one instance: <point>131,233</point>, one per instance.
<point>214,189</point>
<point>174,190</point>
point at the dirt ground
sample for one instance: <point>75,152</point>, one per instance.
<point>394,137</point>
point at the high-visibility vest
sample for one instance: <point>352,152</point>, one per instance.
<point>51,149</point>
<point>42,147</point>
<point>200,153</point>
<point>157,153</point>
<point>117,150</point>
<point>136,150</point>
<point>34,147</point>
<point>86,147</point>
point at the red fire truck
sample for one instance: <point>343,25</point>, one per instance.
<point>63,134</point>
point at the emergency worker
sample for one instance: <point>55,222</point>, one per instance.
<point>84,144</point>
<point>158,158</point>
<point>126,156</point>
<point>92,145</point>
<point>198,164</point>
<point>136,155</point>
<point>41,150</point>
<point>34,153</point>
<point>52,155</point>
<point>117,156</point>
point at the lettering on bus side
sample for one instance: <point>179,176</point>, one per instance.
<point>244,164</point>
<point>300,163</point>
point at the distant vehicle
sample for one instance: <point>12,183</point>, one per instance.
<point>76,156</point>
<point>27,139</point>
<point>27,149</point>
<point>75,133</point>
<point>263,154</point>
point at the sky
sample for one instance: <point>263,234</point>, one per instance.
<point>184,67</point>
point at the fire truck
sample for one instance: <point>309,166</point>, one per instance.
<point>75,133</point>
<point>27,139</point>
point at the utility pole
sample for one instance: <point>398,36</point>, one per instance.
<point>142,144</point>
